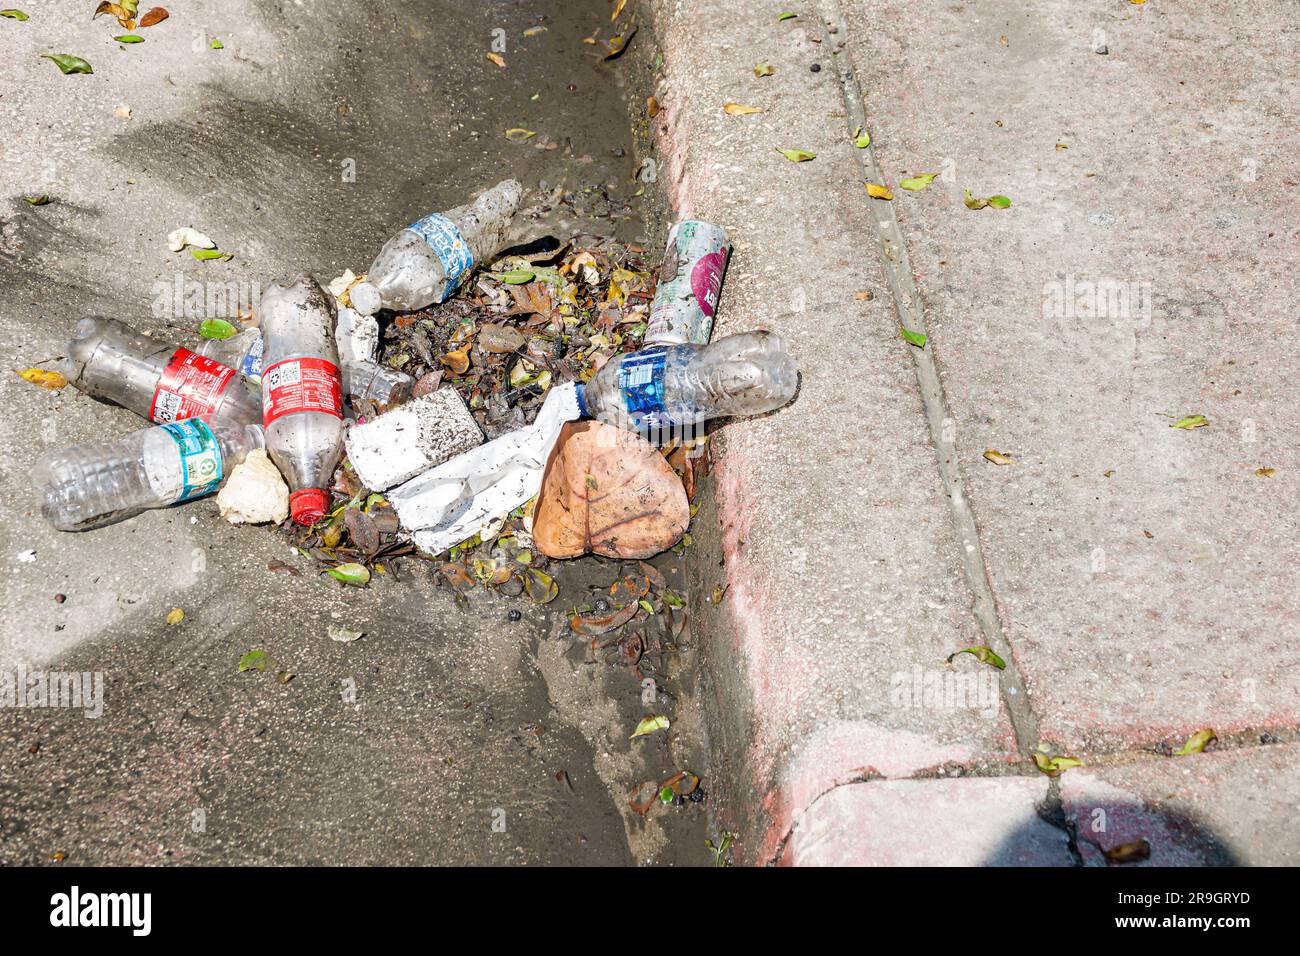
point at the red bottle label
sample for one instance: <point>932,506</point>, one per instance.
<point>189,386</point>
<point>301,385</point>
<point>706,280</point>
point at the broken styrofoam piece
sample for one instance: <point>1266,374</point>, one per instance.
<point>453,502</point>
<point>357,336</point>
<point>411,439</point>
<point>255,492</point>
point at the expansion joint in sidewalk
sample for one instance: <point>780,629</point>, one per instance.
<point>907,301</point>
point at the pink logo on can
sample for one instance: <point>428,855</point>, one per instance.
<point>706,280</point>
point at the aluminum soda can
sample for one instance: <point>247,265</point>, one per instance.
<point>690,283</point>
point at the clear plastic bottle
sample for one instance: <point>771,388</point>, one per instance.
<point>379,383</point>
<point>97,483</point>
<point>160,382</point>
<point>242,352</point>
<point>302,396</point>
<point>674,386</point>
<point>426,261</point>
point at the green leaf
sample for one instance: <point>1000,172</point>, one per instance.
<point>861,138</point>
<point>672,600</point>
<point>917,183</point>
<point>217,329</point>
<point>764,69</point>
<point>40,200</point>
<point>13,14</point>
<point>797,155</point>
<point>1055,766</point>
<point>514,276</point>
<point>1191,421</point>
<point>202,255</point>
<point>649,725</point>
<point>1196,743</point>
<point>786,16</point>
<point>129,38</point>
<point>914,338</point>
<point>999,202</point>
<point>666,795</point>
<point>352,573</point>
<point>68,63</point>
<point>984,654</point>
<point>253,661</point>
<point>216,45</point>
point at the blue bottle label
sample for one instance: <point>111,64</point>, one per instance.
<point>200,457</point>
<point>449,246</point>
<point>641,380</point>
<point>251,366</point>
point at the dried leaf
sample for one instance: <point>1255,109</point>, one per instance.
<point>637,508</point>
<point>175,616</point>
<point>361,530</point>
<point>1055,766</point>
<point>595,625</point>
<point>41,200</point>
<point>540,586</point>
<point>67,63</point>
<point>738,109</point>
<point>342,634</point>
<point>648,725</point>
<point>154,16</point>
<point>496,58</point>
<point>44,378</point>
<point>1133,852</point>
<point>876,191</point>
<point>797,155</point>
<point>652,107</point>
<point>457,361</point>
<point>997,457</point>
<point>518,134</point>
<point>618,8</point>
<point>764,69</point>
<point>1265,472</point>
<point>619,44</point>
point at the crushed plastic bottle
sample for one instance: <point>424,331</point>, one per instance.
<point>426,261</point>
<point>682,386</point>
<point>302,399</point>
<point>97,483</point>
<point>160,382</point>
<point>379,383</point>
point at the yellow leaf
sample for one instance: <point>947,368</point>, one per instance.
<point>737,109</point>
<point>652,107</point>
<point>879,192</point>
<point>457,361</point>
<point>175,616</point>
<point>44,378</point>
<point>1266,472</point>
<point>518,134</point>
<point>618,8</point>
<point>998,458</point>
<point>497,58</point>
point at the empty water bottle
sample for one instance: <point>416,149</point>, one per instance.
<point>426,261</point>
<point>97,483</point>
<point>667,386</point>
<point>242,352</point>
<point>379,383</point>
<point>302,400</point>
<point>163,383</point>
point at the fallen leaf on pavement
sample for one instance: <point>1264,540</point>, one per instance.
<point>608,490</point>
<point>342,634</point>
<point>876,191</point>
<point>1055,766</point>
<point>982,653</point>
<point>649,725</point>
<point>997,457</point>
<point>1190,422</point>
<point>175,616</point>
<point>1266,472</point>
<point>914,338</point>
<point>351,573</point>
<point>861,138</point>
<point>739,109</point>
<point>919,182</point>
<point>67,63</point>
<point>764,69</point>
<point>1133,852</point>
<point>154,16</point>
<point>253,661</point>
<point>1196,743</point>
<point>497,58</point>
<point>44,378</point>
<point>797,155</point>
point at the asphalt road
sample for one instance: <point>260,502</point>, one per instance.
<point>442,736</point>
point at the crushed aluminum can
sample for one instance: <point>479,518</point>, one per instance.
<point>690,284</point>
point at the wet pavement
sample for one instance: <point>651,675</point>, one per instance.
<point>447,734</point>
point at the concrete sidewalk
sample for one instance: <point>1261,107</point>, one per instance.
<point>1137,578</point>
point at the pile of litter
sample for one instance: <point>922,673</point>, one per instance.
<point>549,405</point>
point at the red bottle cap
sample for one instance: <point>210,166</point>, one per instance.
<point>307,505</point>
